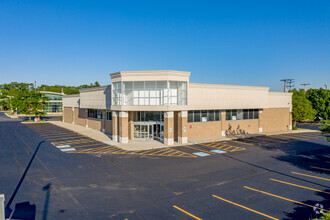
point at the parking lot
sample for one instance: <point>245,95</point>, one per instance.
<point>269,177</point>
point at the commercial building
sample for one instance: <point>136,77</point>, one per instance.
<point>54,104</point>
<point>165,106</point>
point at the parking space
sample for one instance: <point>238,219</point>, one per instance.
<point>265,177</point>
<point>263,197</point>
<point>71,142</point>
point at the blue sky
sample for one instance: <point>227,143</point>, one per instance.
<point>225,42</point>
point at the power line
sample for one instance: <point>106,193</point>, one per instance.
<point>288,84</point>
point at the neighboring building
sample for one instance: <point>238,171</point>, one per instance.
<point>163,105</point>
<point>54,105</point>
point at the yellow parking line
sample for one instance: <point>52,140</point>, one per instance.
<point>88,144</point>
<point>190,155</point>
<point>191,215</point>
<point>239,149</point>
<point>147,151</point>
<point>246,143</point>
<point>166,151</point>
<point>244,207</point>
<point>311,176</point>
<point>304,187</point>
<point>160,150</point>
<point>209,152</point>
<point>320,168</point>
<point>280,197</point>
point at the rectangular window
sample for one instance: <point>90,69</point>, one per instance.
<point>204,116</point>
<point>256,114</point>
<point>242,114</point>
<point>92,113</point>
<point>109,116</point>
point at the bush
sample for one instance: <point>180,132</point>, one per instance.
<point>294,128</point>
<point>325,216</point>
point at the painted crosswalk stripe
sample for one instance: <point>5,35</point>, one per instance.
<point>68,149</point>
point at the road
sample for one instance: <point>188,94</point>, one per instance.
<point>276,177</point>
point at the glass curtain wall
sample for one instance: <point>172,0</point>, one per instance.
<point>150,93</point>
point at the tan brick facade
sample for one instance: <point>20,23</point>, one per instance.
<point>204,129</point>
<point>275,119</point>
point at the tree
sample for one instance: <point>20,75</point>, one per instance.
<point>31,103</point>
<point>320,100</point>
<point>302,109</point>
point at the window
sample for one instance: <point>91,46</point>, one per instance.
<point>204,116</point>
<point>109,116</point>
<point>93,113</point>
<point>232,115</point>
<point>148,116</point>
<point>149,93</point>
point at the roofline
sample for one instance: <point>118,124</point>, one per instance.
<point>204,85</point>
<point>56,93</point>
<point>94,89</point>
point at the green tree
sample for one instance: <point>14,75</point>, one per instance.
<point>31,103</point>
<point>302,109</point>
<point>320,100</point>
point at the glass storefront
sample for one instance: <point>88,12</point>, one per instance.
<point>149,93</point>
<point>149,125</point>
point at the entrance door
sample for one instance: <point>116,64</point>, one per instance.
<point>151,132</point>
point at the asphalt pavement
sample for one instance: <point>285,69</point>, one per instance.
<point>275,177</point>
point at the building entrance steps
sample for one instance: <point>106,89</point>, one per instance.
<point>135,145</point>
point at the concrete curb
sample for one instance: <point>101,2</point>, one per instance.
<point>11,116</point>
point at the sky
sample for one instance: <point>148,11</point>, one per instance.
<point>255,43</point>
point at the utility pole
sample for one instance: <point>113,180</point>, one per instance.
<point>35,86</point>
<point>305,84</point>
<point>326,90</point>
<point>288,84</point>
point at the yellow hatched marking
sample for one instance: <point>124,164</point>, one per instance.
<point>304,187</point>
<point>159,151</point>
<point>238,149</point>
<point>184,153</point>
<point>244,207</point>
<point>166,151</point>
<point>148,151</point>
<point>75,142</point>
<point>229,146</point>
<point>209,152</point>
<point>280,197</point>
<point>67,138</point>
<point>93,149</point>
<point>320,168</point>
<point>191,215</point>
<point>311,176</point>
<point>87,145</point>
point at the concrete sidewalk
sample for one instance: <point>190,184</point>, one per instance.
<point>233,137</point>
<point>152,144</point>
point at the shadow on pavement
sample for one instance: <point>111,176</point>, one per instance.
<point>24,210</point>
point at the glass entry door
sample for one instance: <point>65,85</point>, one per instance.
<point>150,131</point>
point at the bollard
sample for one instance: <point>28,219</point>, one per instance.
<point>2,207</point>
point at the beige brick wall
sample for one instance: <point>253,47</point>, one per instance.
<point>275,119</point>
<point>67,114</point>
<point>241,127</point>
<point>95,124</point>
<point>80,116</point>
<point>108,127</point>
<point>203,129</point>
